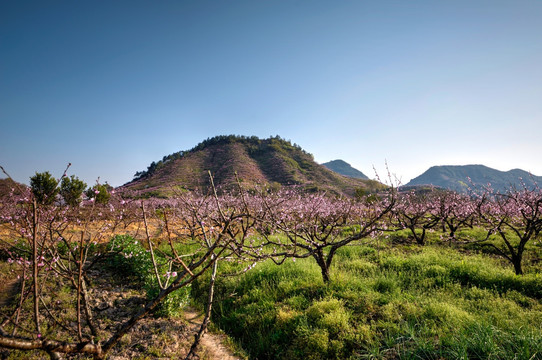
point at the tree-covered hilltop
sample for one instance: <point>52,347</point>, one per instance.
<point>253,142</point>
<point>273,161</point>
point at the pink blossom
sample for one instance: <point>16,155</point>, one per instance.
<point>171,274</point>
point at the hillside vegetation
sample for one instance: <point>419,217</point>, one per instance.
<point>271,162</point>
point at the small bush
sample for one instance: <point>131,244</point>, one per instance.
<point>130,259</point>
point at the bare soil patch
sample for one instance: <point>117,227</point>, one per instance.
<point>112,303</point>
<point>212,345</point>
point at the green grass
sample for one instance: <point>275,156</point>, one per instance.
<point>391,303</point>
<point>132,261</point>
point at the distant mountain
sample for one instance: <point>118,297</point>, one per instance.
<point>457,178</point>
<point>344,168</point>
<point>273,161</point>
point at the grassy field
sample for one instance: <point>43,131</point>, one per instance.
<point>388,299</point>
<point>384,302</point>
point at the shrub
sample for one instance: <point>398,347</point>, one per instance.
<point>132,260</point>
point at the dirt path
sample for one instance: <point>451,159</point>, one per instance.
<point>212,346</point>
<point>171,338</point>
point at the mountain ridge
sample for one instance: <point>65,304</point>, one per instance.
<point>344,168</point>
<point>462,177</point>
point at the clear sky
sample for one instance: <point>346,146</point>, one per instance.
<point>111,86</point>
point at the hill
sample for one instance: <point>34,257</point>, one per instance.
<point>457,178</point>
<point>8,186</point>
<point>273,162</point>
<point>344,168</point>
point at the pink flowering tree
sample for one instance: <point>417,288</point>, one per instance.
<point>516,218</point>
<point>213,227</point>
<point>417,212</point>
<point>300,225</point>
<point>455,211</point>
<point>52,247</point>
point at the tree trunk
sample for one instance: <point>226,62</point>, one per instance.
<point>207,319</point>
<point>420,239</point>
<point>516,260</point>
<point>320,260</point>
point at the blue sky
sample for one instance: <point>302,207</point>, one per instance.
<point>111,86</point>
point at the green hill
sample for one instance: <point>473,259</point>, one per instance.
<point>273,161</point>
<point>344,168</point>
<point>457,178</point>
